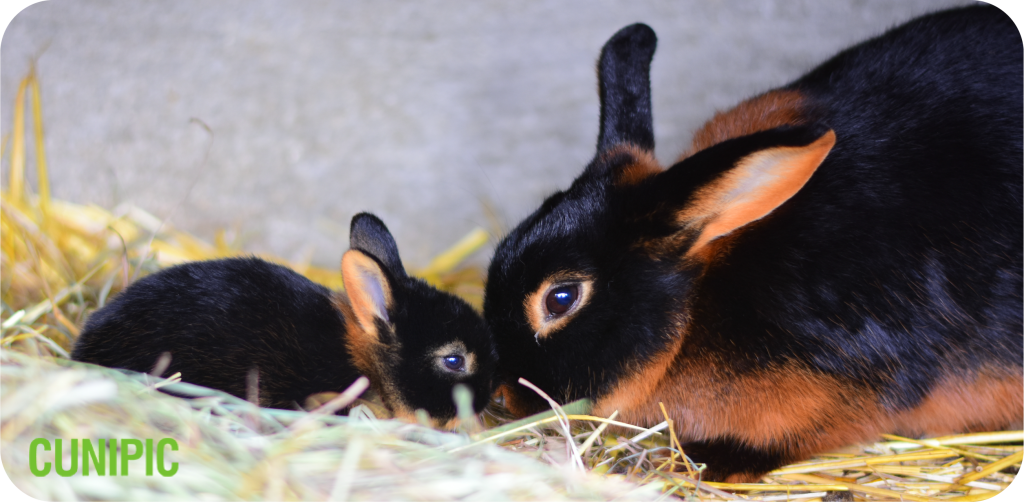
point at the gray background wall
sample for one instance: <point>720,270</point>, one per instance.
<point>432,114</point>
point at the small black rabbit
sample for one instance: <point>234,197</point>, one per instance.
<point>834,259</point>
<point>219,319</point>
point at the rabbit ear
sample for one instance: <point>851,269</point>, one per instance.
<point>755,185</point>
<point>369,235</point>
<point>624,86</point>
<point>368,290</point>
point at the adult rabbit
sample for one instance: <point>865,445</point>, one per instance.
<point>831,260</point>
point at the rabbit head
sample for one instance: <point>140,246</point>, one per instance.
<point>595,284</point>
<point>415,343</point>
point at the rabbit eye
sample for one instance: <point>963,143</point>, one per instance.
<point>556,301</point>
<point>455,362</point>
<point>452,360</point>
<point>561,299</point>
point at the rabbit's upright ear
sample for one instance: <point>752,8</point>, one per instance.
<point>369,235</point>
<point>624,86</point>
<point>758,183</point>
<point>368,269</point>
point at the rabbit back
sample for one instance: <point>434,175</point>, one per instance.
<point>219,320</point>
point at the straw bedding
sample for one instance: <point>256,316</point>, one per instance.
<point>61,261</point>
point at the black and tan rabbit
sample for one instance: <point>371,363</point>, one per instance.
<point>831,260</point>
<point>219,319</point>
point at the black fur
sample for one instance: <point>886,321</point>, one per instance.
<point>624,84</point>
<point>219,319</point>
<point>898,262</point>
<point>732,455</point>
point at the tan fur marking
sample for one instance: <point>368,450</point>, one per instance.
<point>761,410</point>
<point>405,414</point>
<point>533,305</point>
<point>384,384</point>
<point>633,391</point>
<point>368,355</point>
<point>806,411</point>
<point>447,425</point>
<point>755,187</point>
<point>644,164</point>
<point>516,406</point>
<point>990,400</point>
<point>361,346</point>
<point>760,113</point>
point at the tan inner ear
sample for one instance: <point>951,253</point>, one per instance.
<point>367,288</point>
<point>758,184</point>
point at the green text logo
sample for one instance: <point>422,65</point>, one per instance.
<point>98,456</point>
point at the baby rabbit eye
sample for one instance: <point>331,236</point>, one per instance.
<point>455,362</point>
<point>561,299</point>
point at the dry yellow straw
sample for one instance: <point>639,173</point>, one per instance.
<point>854,487</point>
<point>977,438</point>
<point>37,123</point>
<point>596,434</point>
<point>447,260</point>
<point>548,420</point>
<point>862,462</point>
<point>749,487</point>
<point>17,185</point>
<point>994,467</point>
<point>926,443</point>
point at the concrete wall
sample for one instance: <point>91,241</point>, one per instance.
<point>432,114</point>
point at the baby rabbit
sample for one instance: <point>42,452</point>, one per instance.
<point>219,319</point>
<point>834,259</point>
